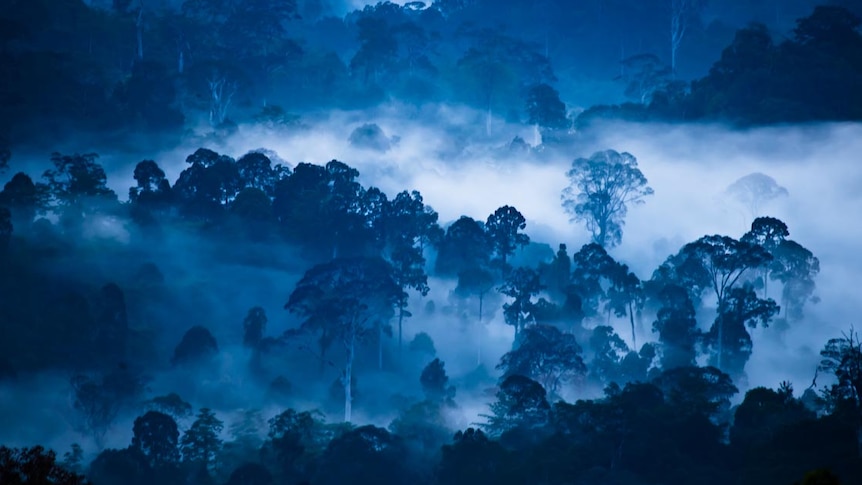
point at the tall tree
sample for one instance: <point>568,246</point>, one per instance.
<point>434,382</point>
<point>608,353</point>
<point>593,271</point>
<point>626,296</point>
<point>503,228</point>
<point>544,108</point>
<point>476,281</point>
<point>682,14</point>
<point>410,225</point>
<point>795,266</point>
<point>521,403</point>
<point>343,300</point>
<point>522,284</point>
<point>157,437</point>
<point>600,189</point>
<point>677,328</point>
<point>546,355</point>
<point>464,246</point>
<point>754,191</point>
<point>768,233</point>
<point>741,308</point>
<point>725,260</point>
<point>200,444</point>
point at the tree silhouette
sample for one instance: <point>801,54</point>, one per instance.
<point>600,189</point>
<point>343,300</point>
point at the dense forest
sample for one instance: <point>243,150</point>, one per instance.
<point>546,242</point>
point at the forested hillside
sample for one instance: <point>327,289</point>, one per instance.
<point>550,242</point>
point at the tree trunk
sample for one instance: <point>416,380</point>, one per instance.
<point>632,320</point>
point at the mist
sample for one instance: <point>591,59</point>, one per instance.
<point>211,242</point>
<point>461,171</point>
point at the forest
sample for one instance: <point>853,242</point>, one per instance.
<point>530,242</point>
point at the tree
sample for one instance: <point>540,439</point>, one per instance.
<point>768,233</point>
<point>725,260</point>
<point>521,403</point>
<point>472,458</point>
<point>842,357</point>
<point>434,382</point>
<point>464,246</point>
<point>367,454</point>
<point>740,308</point>
<point>24,199</point>
<point>557,275</point>
<point>343,300</point>
<point>762,414</point>
<point>608,353</point>
<point>100,400</point>
<point>626,296</point>
<point>544,108</point>
<point>156,436</point>
<point>522,284</point>
<point>201,444</point>
<point>476,281</point>
<point>498,64</point>
<point>594,270</point>
<point>76,178</point>
<point>197,345</point>
<point>792,264</point>
<point>677,328</point>
<point>704,391</point>
<point>78,185</point>
<point>171,404</point>
<point>256,171</point>
<point>410,223</point>
<point>682,14</point>
<point>795,266</point>
<point>644,75</point>
<point>600,189</point>
<point>294,441</point>
<point>378,49</point>
<point>503,228</point>
<point>127,466</point>
<point>754,191</point>
<point>20,466</point>
<point>546,355</point>
<point>209,184</point>
<point>152,189</point>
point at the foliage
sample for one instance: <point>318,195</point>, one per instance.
<point>600,189</point>
<point>544,354</point>
<point>521,403</point>
<point>156,437</point>
<point>19,466</point>
<point>197,345</point>
<point>200,444</point>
